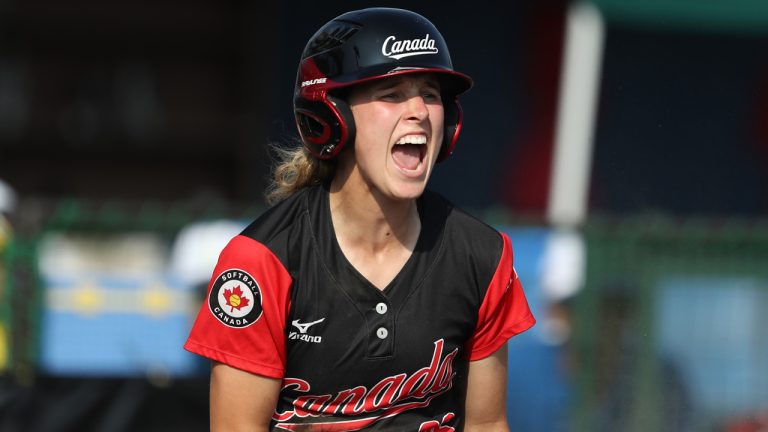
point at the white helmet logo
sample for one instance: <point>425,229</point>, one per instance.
<point>398,49</point>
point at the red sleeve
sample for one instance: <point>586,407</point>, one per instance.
<point>242,321</point>
<point>504,311</point>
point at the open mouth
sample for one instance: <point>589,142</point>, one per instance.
<point>409,152</point>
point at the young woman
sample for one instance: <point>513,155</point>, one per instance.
<point>361,301</point>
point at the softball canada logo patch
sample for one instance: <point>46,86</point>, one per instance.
<point>235,299</point>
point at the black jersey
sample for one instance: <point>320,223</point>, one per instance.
<point>285,303</point>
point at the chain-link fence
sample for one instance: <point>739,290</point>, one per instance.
<point>671,333</point>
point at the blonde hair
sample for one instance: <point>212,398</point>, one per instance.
<point>295,169</point>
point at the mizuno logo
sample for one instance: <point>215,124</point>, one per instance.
<point>303,328</point>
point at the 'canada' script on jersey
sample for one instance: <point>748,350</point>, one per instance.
<point>388,397</point>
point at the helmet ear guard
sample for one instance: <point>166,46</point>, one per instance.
<point>325,126</point>
<point>453,117</point>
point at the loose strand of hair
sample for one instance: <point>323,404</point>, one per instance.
<point>295,169</point>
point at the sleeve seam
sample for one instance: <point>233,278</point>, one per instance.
<point>223,356</point>
<point>515,329</point>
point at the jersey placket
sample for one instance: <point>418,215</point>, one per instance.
<point>378,307</point>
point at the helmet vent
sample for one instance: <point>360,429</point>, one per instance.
<point>332,36</point>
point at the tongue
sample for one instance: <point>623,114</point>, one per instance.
<point>407,156</point>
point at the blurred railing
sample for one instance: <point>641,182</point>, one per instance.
<point>36,219</point>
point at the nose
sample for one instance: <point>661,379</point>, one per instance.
<point>416,108</point>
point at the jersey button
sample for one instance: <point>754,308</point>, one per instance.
<point>381,308</point>
<point>382,333</point>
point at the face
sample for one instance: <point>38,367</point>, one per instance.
<point>399,122</point>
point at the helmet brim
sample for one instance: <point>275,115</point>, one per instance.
<point>452,82</point>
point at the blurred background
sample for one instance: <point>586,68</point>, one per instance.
<point>622,144</point>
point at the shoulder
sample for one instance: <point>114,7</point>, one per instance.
<point>280,218</point>
<point>274,232</point>
<point>464,234</point>
<point>459,224</point>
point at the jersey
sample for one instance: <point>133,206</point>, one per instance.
<point>285,303</point>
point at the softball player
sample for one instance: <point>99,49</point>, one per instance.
<point>360,301</point>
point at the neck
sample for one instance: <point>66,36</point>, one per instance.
<point>363,217</point>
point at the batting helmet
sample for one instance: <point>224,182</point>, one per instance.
<point>364,45</point>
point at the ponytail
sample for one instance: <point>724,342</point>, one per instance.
<point>296,169</point>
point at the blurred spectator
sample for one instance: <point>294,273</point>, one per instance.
<point>7,205</point>
<point>540,391</point>
<point>196,250</point>
<point>7,387</point>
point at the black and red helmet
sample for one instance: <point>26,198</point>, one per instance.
<point>360,46</point>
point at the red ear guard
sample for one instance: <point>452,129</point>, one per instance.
<point>453,117</point>
<point>325,126</point>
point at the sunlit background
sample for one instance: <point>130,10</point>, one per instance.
<point>622,144</point>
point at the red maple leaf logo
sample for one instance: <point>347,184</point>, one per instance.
<point>235,298</point>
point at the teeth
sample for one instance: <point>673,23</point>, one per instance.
<point>412,139</point>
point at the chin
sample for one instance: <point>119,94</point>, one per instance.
<point>408,190</point>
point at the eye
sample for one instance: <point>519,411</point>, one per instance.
<point>389,96</point>
<point>432,96</point>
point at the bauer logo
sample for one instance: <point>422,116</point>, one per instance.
<point>235,299</point>
<point>397,49</point>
